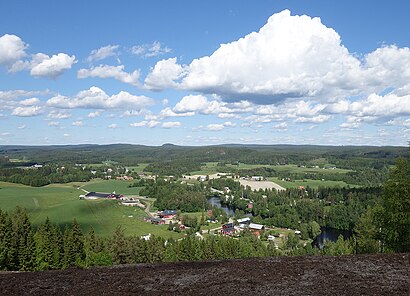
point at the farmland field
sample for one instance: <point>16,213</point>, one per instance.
<point>310,183</point>
<point>61,203</point>
<point>210,168</point>
<point>109,186</point>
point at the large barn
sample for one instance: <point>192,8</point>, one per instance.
<point>97,195</point>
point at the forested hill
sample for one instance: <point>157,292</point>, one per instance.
<point>258,154</point>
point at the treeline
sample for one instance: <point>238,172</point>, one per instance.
<point>45,175</point>
<point>175,196</point>
<point>25,248</point>
<point>174,168</point>
<point>346,157</point>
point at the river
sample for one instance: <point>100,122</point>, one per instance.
<point>216,201</point>
<point>330,234</point>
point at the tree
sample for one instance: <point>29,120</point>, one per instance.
<point>74,253</point>
<point>340,247</point>
<point>48,247</point>
<point>23,240</point>
<point>7,250</point>
<point>314,229</point>
<point>119,248</point>
<point>395,216</point>
<point>366,232</point>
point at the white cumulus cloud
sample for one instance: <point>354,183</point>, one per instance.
<point>192,103</point>
<point>54,114</point>
<point>96,98</point>
<point>41,65</point>
<point>290,57</point>
<point>106,71</point>
<point>30,102</point>
<point>215,127</point>
<point>164,74</point>
<point>147,123</point>
<point>171,124</point>
<point>27,111</point>
<point>12,49</point>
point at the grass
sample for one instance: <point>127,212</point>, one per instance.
<point>139,168</point>
<point>208,168</point>
<point>119,186</point>
<point>212,168</point>
<point>61,203</point>
<point>310,183</point>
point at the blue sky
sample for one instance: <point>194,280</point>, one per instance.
<point>204,72</point>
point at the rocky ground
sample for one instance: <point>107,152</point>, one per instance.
<point>344,275</point>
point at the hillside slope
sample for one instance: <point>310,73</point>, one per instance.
<point>345,275</point>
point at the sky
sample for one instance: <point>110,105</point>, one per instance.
<point>205,72</point>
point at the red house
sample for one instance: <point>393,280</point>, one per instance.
<point>228,228</point>
<point>167,214</point>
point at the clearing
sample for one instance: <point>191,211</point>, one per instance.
<point>377,274</point>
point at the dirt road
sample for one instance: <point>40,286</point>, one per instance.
<point>317,275</point>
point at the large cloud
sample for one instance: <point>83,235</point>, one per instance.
<point>106,71</point>
<point>27,111</point>
<point>42,65</point>
<point>12,48</point>
<point>51,67</point>
<point>289,57</point>
<point>164,75</point>
<point>96,98</point>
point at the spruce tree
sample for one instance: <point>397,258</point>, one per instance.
<point>7,251</point>
<point>394,220</point>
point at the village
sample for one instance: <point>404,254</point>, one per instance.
<point>234,228</point>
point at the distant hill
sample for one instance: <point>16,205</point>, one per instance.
<point>131,154</point>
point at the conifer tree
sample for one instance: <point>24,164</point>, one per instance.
<point>395,215</point>
<point>45,257</point>
<point>7,251</point>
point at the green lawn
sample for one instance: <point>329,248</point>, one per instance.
<point>61,203</point>
<point>291,168</point>
<point>139,168</point>
<point>212,168</point>
<point>109,186</point>
<point>208,168</point>
<point>310,183</point>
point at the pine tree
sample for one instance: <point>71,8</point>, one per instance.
<point>7,251</point>
<point>44,237</point>
<point>395,216</point>
<point>74,253</point>
<point>23,240</point>
<point>119,249</point>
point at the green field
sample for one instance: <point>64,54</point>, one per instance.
<point>138,168</point>
<point>212,168</point>
<point>61,203</point>
<point>310,183</point>
<point>109,186</point>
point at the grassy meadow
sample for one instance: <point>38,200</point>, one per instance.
<point>310,183</point>
<point>61,203</point>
